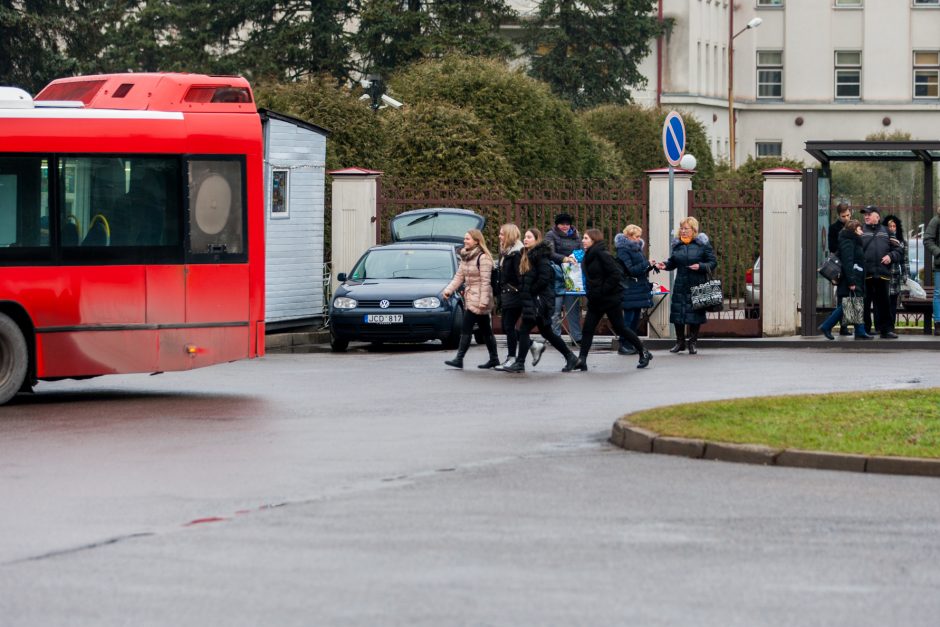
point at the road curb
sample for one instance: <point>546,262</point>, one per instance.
<point>633,438</point>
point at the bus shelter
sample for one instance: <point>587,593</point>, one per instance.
<point>817,200</point>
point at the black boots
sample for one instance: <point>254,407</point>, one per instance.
<point>645,359</point>
<point>693,338</point>
<point>570,362</point>
<point>577,364</point>
<point>494,355</point>
<point>680,339</point>
<point>457,361</point>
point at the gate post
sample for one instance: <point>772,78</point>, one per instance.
<point>355,196</point>
<point>781,262</point>
<point>660,233</point>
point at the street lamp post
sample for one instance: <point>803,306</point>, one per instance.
<point>754,23</point>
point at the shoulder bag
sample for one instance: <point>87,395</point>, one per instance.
<point>708,295</point>
<point>831,268</point>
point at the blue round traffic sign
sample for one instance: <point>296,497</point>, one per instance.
<point>674,138</point>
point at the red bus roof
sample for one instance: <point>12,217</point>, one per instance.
<point>163,91</point>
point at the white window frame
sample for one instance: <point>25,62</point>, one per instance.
<point>774,4</point>
<point>285,213</point>
<point>767,67</point>
<point>925,4</point>
<point>844,68</point>
<point>928,70</point>
<point>762,144</point>
<point>849,4</point>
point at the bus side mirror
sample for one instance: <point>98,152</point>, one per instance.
<point>341,277</point>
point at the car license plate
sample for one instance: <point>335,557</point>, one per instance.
<point>384,318</point>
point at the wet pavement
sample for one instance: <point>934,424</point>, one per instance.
<point>380,487</point>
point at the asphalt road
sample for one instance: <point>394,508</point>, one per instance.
<point>381,488</point>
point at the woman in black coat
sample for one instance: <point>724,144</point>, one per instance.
<point>852,279</point>
<point>510,284</point>
<point>693,259</point>
<point>636,285</point>
<point>602,282</point>
<point>537,294</point>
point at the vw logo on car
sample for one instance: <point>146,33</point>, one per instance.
<point>383,304</point>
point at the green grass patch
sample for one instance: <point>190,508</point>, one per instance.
<point>896,423</point>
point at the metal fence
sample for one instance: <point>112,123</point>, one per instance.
<point>608,205</point>
<point>732,220</point>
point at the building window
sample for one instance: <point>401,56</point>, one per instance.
<point>770,3</point>
<point>279,205</point>
<point>926,74</point>
<point>770,149</point>
<point>769,74</point>
<point>848,74</point>
<point>849,3</point>
<point>927,3</point>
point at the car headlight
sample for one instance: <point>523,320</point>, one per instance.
<point>344,303</point>
<point>430,302</point>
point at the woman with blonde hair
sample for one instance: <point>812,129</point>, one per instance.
<point>474,272</point>
<point>636,286</point>
<point>510,297</point>
<point>537,294</point>
<point>693,259</point>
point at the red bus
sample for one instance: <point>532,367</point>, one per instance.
<point>131,227</point>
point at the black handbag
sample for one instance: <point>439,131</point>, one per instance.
<point>708,295</point>
<point>831,268</point>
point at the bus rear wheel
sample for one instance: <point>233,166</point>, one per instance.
<point>14,358</point>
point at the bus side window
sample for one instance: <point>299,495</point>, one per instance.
<point>216,207</point>
<point>24,202</point>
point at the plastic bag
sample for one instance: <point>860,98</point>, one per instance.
<point>574,280</point>
<point>915,288</point>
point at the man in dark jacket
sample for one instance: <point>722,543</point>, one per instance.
<point>844,213</point>
<point>563,240</point>
<point>835,228</point>
<point>879,255</point>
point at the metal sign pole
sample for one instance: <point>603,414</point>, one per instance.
<point>674,148</point>
<point>672,217</point>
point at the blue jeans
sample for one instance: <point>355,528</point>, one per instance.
<point>570,305</point>
<point>631,319</point>
<point>836,317</point>
<point>936,297</point>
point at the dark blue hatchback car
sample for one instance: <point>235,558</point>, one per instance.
<point>393,293</point>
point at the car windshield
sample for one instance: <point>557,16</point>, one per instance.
<point>404,263</point>
<point>434,225</point>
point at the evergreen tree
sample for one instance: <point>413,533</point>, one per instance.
<point>32,49</point>
<point>589,50</point>
<point>294,39</point>
<point>394,33</point>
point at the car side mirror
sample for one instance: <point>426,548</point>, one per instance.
<point>341,277</point>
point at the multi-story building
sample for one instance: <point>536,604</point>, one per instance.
<point>812,69</point>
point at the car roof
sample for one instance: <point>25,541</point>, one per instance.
<point>439,209</point>
<point>417,244</point>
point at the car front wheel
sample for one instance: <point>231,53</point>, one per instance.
<point>452,341</point>
<point>337,344</point>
